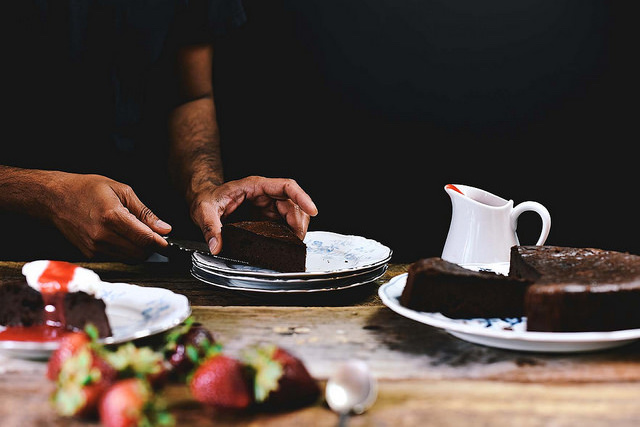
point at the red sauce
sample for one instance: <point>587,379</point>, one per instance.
<point>454,188</point>
<point>37,333</point>
<point>54,284</point>
<point>56,277</point>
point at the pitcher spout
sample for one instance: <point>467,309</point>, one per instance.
<point>453,188</point>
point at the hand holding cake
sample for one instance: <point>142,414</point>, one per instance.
<point>274,197</point>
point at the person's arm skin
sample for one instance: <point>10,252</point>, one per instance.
<point>100,216</point>
<point>197,164</point>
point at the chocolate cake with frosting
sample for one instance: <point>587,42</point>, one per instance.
<point>558,289</point>
<point>267,244</point>
<point>56,294</point>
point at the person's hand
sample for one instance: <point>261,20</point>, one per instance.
<point>274,197</point>
<point>105,218</point>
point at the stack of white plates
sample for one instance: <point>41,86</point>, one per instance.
<point>334,262</point>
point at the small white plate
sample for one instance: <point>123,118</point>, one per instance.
<point>133,312</point>
<point>505,333</point>
<point>328,255</point>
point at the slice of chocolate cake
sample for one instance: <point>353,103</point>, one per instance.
<point>20,305</point>
<point>266,244</point>
<point>81,309</point>
<point>578,289</point>
<point>436,285</point>
<point>53,294</point>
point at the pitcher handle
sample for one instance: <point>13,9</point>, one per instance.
<point>540,210</point>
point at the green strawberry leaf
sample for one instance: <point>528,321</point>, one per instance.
<point>267,372</point>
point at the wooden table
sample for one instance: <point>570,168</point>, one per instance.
<point>426,376</point>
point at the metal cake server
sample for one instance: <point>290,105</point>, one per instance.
<point>200,247</point>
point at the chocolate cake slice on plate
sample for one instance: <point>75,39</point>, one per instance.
<point>436,285</point>
<point>20,305</point>
<point>558,289</point>
<point>266,244</point>
<point>55,303</point>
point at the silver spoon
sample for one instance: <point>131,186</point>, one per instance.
<point>351,389</point>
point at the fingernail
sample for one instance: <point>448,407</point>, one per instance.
<point>213,243</point>
<point>161,224</point>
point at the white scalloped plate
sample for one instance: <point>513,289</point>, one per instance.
<point>505,333</point>
<point>133,311</point>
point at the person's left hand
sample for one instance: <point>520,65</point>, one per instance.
<point>275,197</point>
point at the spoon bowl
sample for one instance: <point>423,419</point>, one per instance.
<point>352,389</point>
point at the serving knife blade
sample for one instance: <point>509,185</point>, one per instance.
<point>200,247</point>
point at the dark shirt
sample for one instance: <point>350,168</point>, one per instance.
<point>90,83</point>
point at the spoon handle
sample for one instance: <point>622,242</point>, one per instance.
<point>342,419</point>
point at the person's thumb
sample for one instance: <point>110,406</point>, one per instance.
<point>211,227</point>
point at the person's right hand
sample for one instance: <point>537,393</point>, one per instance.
<point>104,218</point>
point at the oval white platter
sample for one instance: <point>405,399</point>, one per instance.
<point>505,333</point>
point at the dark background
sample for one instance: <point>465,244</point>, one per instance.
<point>374,105</point>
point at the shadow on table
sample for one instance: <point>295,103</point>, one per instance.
<point>435,347</point>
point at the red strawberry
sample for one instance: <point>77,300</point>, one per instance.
<point>281,379</point>
<point>82,379</point>
<point>69,345</point>
<point>187,346</point>
<point>130,402</point>
<point>221,381</point>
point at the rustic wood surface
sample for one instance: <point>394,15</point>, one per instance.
<point>426,376</point>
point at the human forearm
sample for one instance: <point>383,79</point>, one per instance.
<point>96,214</point>
<point>197,164</point>
<point>195,147</point>
<point>193,129</point>
<point>18,187</point>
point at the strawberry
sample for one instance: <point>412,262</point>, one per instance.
<point>281,379</point>
<point>221,381</point>
<point>131,402</point>
<point>188,345</point>
<point>82,379</point>
<point>69,345</point>
<point>130,360</point>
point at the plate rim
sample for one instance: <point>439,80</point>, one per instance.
<point>290,291</point>
<point>558,338</point>
<point>278,281</point>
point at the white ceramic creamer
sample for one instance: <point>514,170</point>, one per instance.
<point>483,226</point>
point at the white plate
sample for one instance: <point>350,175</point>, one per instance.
<point>133,312</point>
<point>328,254</point>
<point>505,333</point>
<point>325,286</point>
